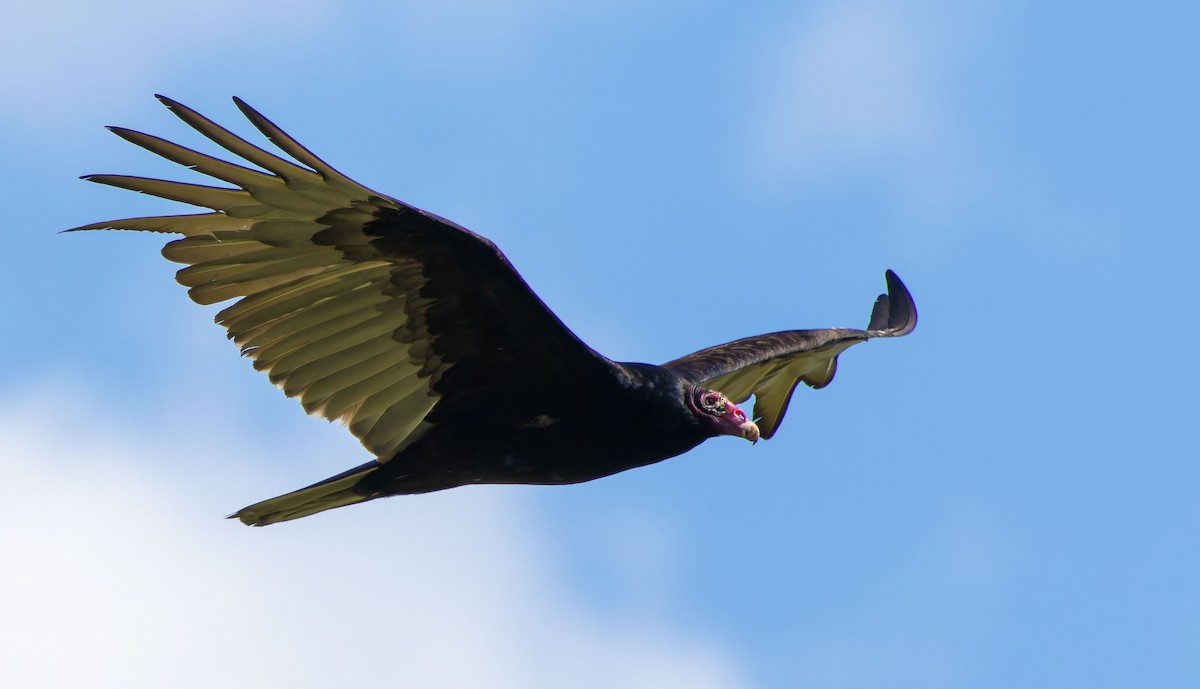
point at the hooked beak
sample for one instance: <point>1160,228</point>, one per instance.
<point>749,431</point>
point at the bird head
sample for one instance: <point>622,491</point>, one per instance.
<point>721,415</point>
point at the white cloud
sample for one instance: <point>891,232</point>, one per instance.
<point>118,573</point>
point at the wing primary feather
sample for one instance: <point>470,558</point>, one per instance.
<point>879,314</point>
<point>214,167</point>
<point>894,313</point>
<point>236,144</point>
<point>216,198</point>
<point>193,224</point>
<point>292,147</point>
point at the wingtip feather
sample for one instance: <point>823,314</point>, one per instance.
<point>167,101</point>
<point>895,313</point>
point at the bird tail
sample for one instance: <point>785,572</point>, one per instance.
<point>335,491</point>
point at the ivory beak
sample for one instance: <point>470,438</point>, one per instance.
<point>749,431</point>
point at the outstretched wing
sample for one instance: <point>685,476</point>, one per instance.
<point>770,366</point>
<point>367,309</point>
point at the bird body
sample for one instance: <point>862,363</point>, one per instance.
<point>643,419</point>
<point>422,338</point>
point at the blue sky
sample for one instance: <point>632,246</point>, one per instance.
<point>1008,497</point>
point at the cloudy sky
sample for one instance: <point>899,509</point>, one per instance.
<point>1010,497</point>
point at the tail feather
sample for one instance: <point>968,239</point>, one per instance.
<point>335,491</point>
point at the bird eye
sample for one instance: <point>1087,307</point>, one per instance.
<point>713,403</point>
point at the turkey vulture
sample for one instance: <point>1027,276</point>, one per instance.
<point>423,339</point>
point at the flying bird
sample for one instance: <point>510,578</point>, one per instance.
<point>423,339</point>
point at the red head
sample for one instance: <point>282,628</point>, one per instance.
<point>722,415</point>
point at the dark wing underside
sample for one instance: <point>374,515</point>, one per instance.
<point>769,367</point>
<point>367,309</point>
